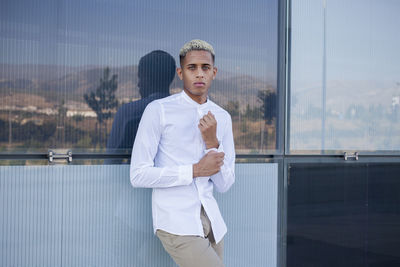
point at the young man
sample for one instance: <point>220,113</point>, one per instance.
<point>183,149</point>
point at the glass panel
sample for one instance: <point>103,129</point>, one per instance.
<point>53,53</point>
<point>345,89</point>
<point>343,215</point>
<point>81,215</point>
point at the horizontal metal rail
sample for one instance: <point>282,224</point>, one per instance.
<point>38,156</point>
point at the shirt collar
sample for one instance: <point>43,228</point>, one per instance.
<point>194,103</point>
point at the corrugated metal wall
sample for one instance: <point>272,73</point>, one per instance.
<point>90,216</point>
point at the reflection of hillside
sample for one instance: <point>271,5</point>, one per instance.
<point>73,83</point>
<point>340,94</point>
<point>31,101</point>
<point>359,115</point>
<point>36,72</point>
<point>241,88</point>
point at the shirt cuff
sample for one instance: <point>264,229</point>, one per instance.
<point>186,174</point>
<point>219,149</point>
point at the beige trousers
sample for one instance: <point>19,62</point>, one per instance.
<point>194,251</point>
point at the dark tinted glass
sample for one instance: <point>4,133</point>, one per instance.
<point>343,215</point>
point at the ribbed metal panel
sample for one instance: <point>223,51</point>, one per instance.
<point>31,212</point>
<point>250,210</point>
<point>91,216</point>
<point>106,221</point>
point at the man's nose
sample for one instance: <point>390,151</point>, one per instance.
<point>199,73</point>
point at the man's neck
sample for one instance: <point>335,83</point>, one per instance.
<point>199,99</point>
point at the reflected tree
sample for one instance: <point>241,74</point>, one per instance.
<point>103,102</point>
<point>233,108</point>
<point>61,115</point>
<point>252,114</point>
<point>268,105</point>
<point>268,110</point>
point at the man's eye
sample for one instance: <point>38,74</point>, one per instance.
<point>191,67</point>
<point>206,67</point>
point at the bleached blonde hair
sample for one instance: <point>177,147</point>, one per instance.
<point>196,44</point>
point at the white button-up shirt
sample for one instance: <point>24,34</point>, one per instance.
<point>167,144</point>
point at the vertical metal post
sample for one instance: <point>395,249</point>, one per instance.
<point>323,84</point>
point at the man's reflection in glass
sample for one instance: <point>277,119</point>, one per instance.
<point>156,72</point>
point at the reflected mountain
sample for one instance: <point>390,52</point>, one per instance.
<point>45,106</point>
<point>54,82</point>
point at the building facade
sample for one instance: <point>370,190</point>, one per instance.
<point>312,87</point>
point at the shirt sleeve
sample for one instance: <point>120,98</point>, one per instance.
<point>225,178</point>
<point>143,173</point>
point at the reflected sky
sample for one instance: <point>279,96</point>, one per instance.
<point>114,33</point>
<point>362,40</point>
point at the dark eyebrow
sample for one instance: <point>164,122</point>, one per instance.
<point>202,65</point>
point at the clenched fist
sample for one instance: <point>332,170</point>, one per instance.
<point>208,129</point>
<point>210,164</point>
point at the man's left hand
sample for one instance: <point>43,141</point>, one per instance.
<point>208,129</point>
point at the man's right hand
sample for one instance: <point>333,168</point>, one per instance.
<point>210,164</point>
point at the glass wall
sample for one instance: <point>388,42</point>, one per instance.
<point>344,87</point>
<point>76,76</point>
<point>343,96</point>
<point>67,67</point>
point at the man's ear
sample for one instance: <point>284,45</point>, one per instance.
<point>215,70</point>
<point>179,72</point>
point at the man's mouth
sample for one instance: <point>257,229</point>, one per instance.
<point>199,84</point>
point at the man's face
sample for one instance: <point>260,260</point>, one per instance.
<point>197,72</point>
